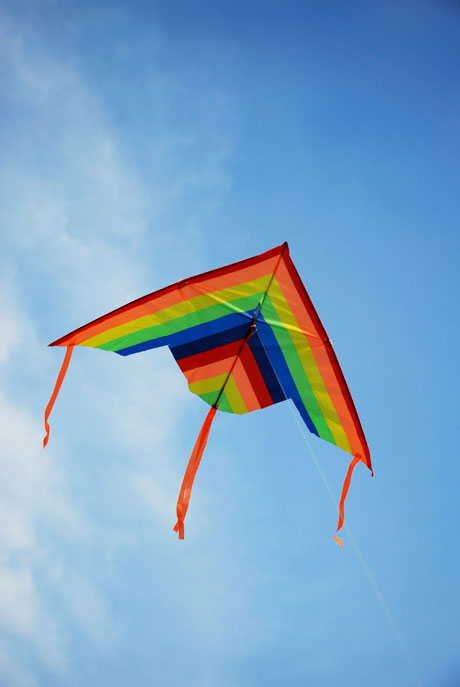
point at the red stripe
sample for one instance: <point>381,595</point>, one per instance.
<point>244,385</point>
<point>302,291</point>
<point>191,362</point>
<point>255,376</point>
<point>198,278</point>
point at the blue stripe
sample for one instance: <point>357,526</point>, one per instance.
<point>208,343</point>
<point>200,331</point>
<point>266,369</point>
<point>281,369</point>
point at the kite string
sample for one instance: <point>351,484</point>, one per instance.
<point>356,459</point>
<point>367,571</point>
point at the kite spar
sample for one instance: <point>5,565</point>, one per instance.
<point>245,336</point>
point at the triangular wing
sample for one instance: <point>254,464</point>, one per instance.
<point>305,364</point>
<point>245,336</point>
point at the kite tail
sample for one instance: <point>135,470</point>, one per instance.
<point>192,467</point>
<point>57,387</point>
<point>346,486</point>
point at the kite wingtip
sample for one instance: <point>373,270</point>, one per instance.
<point>366,460</point>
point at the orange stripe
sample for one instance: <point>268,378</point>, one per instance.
<point>335,393</point>
<point>298,309</point>
<point>321,357</point>
<point>257,381</point>
<point>219,367</point>
<point>244,385</point>
<point>239,375</point>
<point>183,292</point>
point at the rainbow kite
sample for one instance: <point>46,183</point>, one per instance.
<point>245,336</point>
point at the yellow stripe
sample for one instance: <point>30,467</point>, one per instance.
<point>234,397</point>
<point>309,365</point>
<point>224,296</point>
<point>205,386</point>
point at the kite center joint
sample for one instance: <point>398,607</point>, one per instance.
<point>253,326</point>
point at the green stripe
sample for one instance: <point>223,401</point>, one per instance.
<point>297,371</point>
<point>224,404</point>
<point>213,312</point>
<point>211,397</point>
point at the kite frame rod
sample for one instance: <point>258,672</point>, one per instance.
<point>251,327</point>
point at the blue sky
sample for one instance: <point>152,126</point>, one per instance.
<point>144,142</point>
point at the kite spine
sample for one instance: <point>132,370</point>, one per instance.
<point>252,325</point>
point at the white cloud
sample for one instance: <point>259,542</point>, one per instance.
<point>67,226</point>
<point>75,220</point>
<point>17,600</point>
<point>12,325</point>
<point>12,670</point>
<point>33,500</point>
<point>157,497</point>
<point>31,493</point>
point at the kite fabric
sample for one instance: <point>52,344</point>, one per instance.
<point>245,336</point>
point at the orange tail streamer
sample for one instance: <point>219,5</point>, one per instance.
<point>192,467</point>
<point>57,387</point>
<point>346,486</point>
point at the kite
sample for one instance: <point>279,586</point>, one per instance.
<point>246,336</point>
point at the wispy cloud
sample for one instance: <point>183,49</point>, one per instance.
<point>39,517</point>
<point>75,222</point>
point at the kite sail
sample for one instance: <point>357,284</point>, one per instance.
<point>245,336</point>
